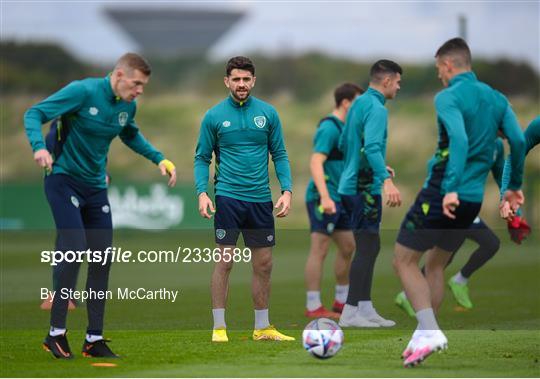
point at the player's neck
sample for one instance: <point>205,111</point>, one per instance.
<point>459,71</point>
<point>114,84</point>
<point>340,113</point>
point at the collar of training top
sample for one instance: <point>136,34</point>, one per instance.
<point>377,94</point>
<point>109,91</point>
<point>469,75</point>
<point>237,104</point>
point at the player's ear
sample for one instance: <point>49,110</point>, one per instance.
<point>386,81</point>
<point>254,80</point>
<point>120,73</point>
<point>226,81</point>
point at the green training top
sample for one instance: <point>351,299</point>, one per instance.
<point>498,162</point>
<point>469,114</point>
<point>96,116</point>
<point>363,143</point>
<point>325,141</point>
<point>241,135</point>
<point>532,138</point>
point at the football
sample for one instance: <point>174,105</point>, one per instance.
<point>322,338</point>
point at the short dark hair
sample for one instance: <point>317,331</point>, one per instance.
<point>458,50</point>
<point>240,63</point>
<point>135,62</point>
<point>346,91</point>
<point>384,67</point>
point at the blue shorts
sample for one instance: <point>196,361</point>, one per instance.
<point>425,225</point>
<point>324,223</point>
<point>364,210</point>
<point>254,220</point>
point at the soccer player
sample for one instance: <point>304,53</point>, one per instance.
<point>469,115</point>
<point>479,232</point>
<point>363,143</point>
<point>517,226</point>
<point>328,219</point>
<point>91,112</point>
<point>242,130</point>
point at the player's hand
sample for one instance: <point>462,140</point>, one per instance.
<point>391,171</point>
<point>168,168</point>
<point>505,211</point>
<point>43,159</point>
<point>510,203</point>
<point>327,206</point>
<point>204,204</point>
<point>284,202</point>
<point>449,204</point>
<point>518,229</point>
<point>393,197</point>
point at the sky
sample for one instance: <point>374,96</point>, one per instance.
<point>406,31</point>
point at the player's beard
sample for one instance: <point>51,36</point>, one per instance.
<point>241,97</point>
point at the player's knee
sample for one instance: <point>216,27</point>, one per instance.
<point>224,267</point>
<point>397,265</point>
<point>347,249</point>
<point>492,245</point>
<point>264,267</point>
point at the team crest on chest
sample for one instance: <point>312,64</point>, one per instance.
<point>260,121</point>
<point>122,118</point>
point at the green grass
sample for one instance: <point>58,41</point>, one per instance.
<point>499,337</point>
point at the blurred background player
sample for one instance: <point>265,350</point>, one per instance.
<point>92,113</point>
<point>242,130</point>
<point>363,143</point>
<point>479,232</point>
<point>327,217</point>
<point>517,225</point>
<point>469,116</point>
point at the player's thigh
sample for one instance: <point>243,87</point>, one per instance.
<point>65,203</point>
<point>228,219</point>
<point>423,224</point>
<point>344,240</point>
<point>437,258</point>
<point>455,231</point>
<point>406,256</point>
<point>97,220</point>
<point>482,234</point>
<point>259,228</point>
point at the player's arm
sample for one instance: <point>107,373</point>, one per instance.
<point>532,135</point>
<point>203,157</point>
<point>276,147</point>
<point>349,145</point>
<point>374,130</point>
<point>326,138</point>
<point>498,165</point>
<point>134,139</point>
<point>512,196</point>
<point>449,114</point>
<point>67,100</point>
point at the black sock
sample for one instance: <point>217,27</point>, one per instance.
<point>362,266</point>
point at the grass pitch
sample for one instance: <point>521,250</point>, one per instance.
<point>499,337</point>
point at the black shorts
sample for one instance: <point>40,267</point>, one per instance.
<point>324,223</point>
<point>425,225</point>
<point>365,211</point>
<point>254,220</point>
